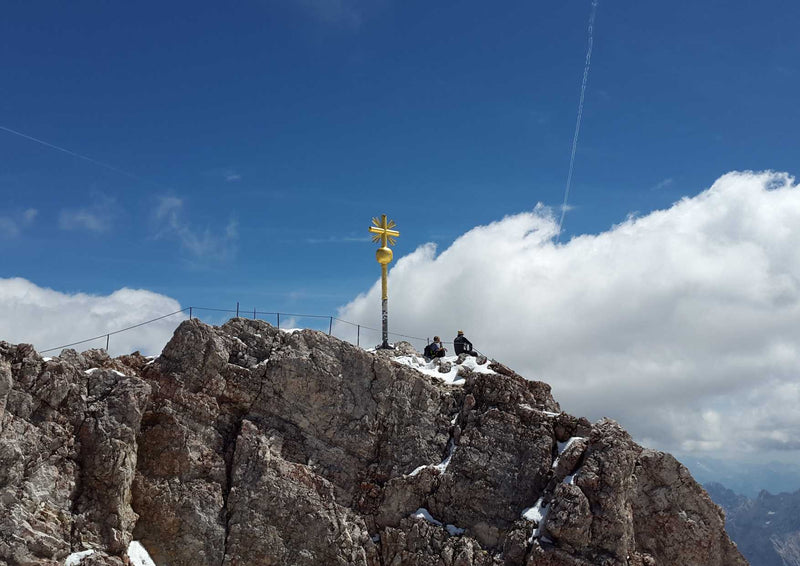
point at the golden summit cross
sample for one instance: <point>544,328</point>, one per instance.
<point>383,233</point>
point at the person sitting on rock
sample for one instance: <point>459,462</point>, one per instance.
<point>463,346</point>
<point>435,349</point>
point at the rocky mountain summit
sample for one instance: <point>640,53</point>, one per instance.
<point>247,445</point>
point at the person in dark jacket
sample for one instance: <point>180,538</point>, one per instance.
<point>435,349</point>
<point>462,345</point>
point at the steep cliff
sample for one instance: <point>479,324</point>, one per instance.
<point>246,445</point>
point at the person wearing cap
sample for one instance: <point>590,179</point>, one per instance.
<point>462,345</point>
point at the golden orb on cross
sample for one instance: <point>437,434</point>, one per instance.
<point>382,232</point>
<point>384,255</point>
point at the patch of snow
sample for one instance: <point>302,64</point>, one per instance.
<point>533,513</point>
<point>472,363</point>
<point>431,368</point>
<point>376,348</point>
<point>417,470</point>
<point>442,466</point>
<point>455,418</point>
<point>536,514</point>
<point>453,530</point>
<point>91,371</point>
<point>563,446</point>
<point>291,330</point>
<point>257,334</point>
<point>46,359</point>
<point>570,479</point>
<point>138,555</point>
<point>119,373</point>
<point>451,449</point>
<point>75,558</point>
<point>550,414</point>
<point>423,513</point>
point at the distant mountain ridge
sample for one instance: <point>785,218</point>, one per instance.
<point>745,478</point>
<point>244,445</point>
<point>766,529</point>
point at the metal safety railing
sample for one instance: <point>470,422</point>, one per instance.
<point>289,318</point>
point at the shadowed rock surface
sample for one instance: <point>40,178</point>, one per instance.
<point>766,529</point>
<point>246,445</point>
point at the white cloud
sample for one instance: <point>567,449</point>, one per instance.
<point>47,318</point>
<point>201,245</point>
<point>75,219</point>
<point>682,324</point>
<point>29,215</point>
<point>11,226</point>
<point>96,217</point>
<point>662,184</point>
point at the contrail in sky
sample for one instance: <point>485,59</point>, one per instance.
<point>74,154</point>
<point>580,115</point>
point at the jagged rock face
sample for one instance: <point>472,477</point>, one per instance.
<point>667,499</point>
<point>245,445</point>
<point>67,454</point>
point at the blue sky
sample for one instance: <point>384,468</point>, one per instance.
<point>238,152</point>
<point>293,123</point>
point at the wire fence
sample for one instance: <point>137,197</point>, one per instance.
<point>351,331</point>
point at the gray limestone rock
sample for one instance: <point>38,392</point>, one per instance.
<point>247,445</point>
<point>67,455</point>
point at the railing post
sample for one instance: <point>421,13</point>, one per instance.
<point>358,336</point>
<point>254,313</point>
<point>237,309</point>
<point>279,320</point>
<point>107,337</point>
<point>330,327</point>
<point>190,313</point>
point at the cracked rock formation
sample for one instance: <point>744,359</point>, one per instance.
<point>246,445</point>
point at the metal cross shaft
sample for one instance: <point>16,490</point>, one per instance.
<point>383,233</point>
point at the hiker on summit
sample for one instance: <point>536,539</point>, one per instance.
<point>463,346</point>
<point>435,349</point>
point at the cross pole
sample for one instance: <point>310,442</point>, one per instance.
<point>383,233</point>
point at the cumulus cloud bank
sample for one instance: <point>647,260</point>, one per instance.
<point>683,324</point>
<point>47,318</point>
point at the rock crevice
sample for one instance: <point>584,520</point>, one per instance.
<point>247,445</point>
